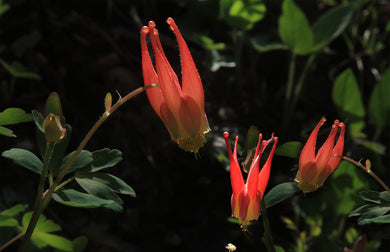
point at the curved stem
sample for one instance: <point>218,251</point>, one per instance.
<point>289,89</point>
<point>366,169</point>
<point>39,199</point>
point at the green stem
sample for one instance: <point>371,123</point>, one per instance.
<point>368,170</point>
<point>301,81</point>
<point>39,199</point>
<point>46,197</point>
<point>267,238</point>
<point>289,89</point>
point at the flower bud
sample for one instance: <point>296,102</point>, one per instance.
<point>52,129</point>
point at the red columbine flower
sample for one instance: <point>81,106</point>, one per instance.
<point>246,197</point>
<point>315,169</point>
<point>180,108</point>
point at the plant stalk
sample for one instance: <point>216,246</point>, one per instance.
<point>267,238</point>
<point>44,198</point>
<point>39,200</point>
<point>368,170</point>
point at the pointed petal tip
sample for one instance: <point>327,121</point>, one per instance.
<point>145,30</point>
<point>151,24</point>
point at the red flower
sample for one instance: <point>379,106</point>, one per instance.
<point>315,169</point>
<point>246,197</point>
<point>181,108</point>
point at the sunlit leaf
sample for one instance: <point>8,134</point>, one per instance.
<point>242,14</point>
<point>14,116</point>
<point>15,210</point>
<point>294,28</point>
<point>24,158</point>
<point>348,99</point>
<point>6,132</point>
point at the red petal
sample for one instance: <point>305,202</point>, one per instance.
<point>236,178</point>
<point>308,151</point>
<point>150,76</point>
<point>191,83</point>
<point>168,81</point>
<point>266,169</point>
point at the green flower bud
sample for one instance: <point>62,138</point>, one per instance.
<point>52,129</point>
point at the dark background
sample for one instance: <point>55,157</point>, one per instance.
<point>84,49</point>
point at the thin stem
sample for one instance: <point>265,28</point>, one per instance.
<point>267,238</point>
<point>39,199</point>
<point>64,183</point>
<point>11,241</point>
<point>289,89</point>
<point>301,81</point>
<point>366,169</point>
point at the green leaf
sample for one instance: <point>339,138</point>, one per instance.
<point>54,241</point>
<point>262,44</point>
<point>379,220</point>
<point>41,237</point>
<point>331,25</point>
<point>6,132</point>
<point>14,116</point>
<point>294,28</point>
<point>345,182</point>
<point>53,105</point>
<point>289,149</point>
<point>379,104</point>
<point>279,249</point>
<point>242,14</point>
<point>25,159</point>
<point>385,196</point>
<point>38,119</point>
<point>348,99</point>
<point>82,160</point>
<point>105,158</point>
<point>75,198</point>
<point>15,210</point>
<point>80,243</point>
<point>370,196</point>
<point>114,183</point>
<point>3,8</point>
<point>102,191</point>
<point>280,193</point>
<point>8,221</point>
<point>17,70</point>
<point>209,44</point>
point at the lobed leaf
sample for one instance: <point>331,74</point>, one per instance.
<point>105,158</point>
<point>14,116</point>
